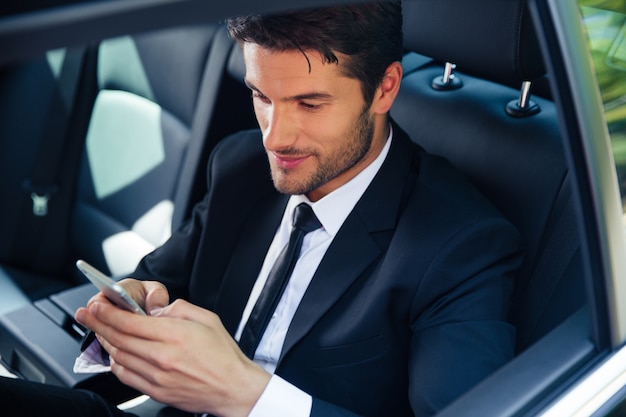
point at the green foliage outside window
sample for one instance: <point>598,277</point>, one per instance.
<point>605,24</point>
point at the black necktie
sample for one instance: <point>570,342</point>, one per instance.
<point>304,221</point>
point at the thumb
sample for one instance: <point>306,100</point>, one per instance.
<point>156,295</point>
<point>181,309</point>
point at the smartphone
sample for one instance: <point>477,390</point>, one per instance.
<point>110,288</point>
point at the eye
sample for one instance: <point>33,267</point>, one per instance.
<point>256,95</point>
<point>309,106</point>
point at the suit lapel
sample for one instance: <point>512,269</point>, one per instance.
<point>350,253</point>
<point>245,264</point>
<point>363,237</point>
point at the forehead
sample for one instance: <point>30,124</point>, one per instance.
<point>289,69</point>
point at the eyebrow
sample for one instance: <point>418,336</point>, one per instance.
<point>314,95</point>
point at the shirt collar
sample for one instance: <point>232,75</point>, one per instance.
<point>333,209</point>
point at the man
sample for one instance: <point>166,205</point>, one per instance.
<point>396,304</point>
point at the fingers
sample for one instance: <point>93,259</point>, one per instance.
<point>181,355</point>
<point>108,320</point>
<point>183,310</point>
<point>98,298</point>
<point>137,370</point>
<point>149,294</point>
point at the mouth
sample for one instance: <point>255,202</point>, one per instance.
<point>288,161</point>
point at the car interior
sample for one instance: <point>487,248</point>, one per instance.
<point>111,156</point>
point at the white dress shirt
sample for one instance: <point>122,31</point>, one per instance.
<point>281,398</point>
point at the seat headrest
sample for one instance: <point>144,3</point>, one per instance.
<point>494,39</point>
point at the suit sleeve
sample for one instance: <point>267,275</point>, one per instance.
<point>323,409</point>
<point>171,263</point>
<point>462,335</point>
<point>459,329</point>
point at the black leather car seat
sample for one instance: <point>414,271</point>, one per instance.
<point>147,116</point>
<point>512,153</point>
<point>158,108</point>
<point>215,103</point>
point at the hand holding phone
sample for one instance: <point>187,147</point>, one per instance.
<point>110,288</point>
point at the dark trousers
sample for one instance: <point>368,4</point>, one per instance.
<point>20,398</point>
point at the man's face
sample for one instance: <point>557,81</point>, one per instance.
<point>317,129</point>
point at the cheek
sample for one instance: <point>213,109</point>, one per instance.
<point>328,132</point>
<point>261,116</point>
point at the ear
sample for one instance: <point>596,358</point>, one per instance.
<point>388,89</point>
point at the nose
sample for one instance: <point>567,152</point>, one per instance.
<point>279,128</point>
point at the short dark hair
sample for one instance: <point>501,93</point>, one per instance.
<point>369,34</point>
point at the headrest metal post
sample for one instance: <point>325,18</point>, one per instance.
<point>524,98</point>
<point>523,106</point>
<point>447,72</point>
<point>448,81</point>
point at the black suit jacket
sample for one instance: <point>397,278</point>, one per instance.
<point>407,308</point>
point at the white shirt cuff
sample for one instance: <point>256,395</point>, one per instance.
<point>280,398</point>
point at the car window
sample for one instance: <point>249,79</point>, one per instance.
<point>605,25</point>
<point>604,22</point>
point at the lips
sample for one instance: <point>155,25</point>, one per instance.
<point>288,161</point>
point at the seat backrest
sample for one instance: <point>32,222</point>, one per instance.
<point>516,160</point>
<point>147,136</point>
<point>36,109</point>
<point>148,109</point>
<point>43,101</point>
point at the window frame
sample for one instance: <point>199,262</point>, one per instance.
<point>591,156</point>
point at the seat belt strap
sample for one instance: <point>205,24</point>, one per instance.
<point>560,249</point>
<point>42,184</point>
<point>207,100</point>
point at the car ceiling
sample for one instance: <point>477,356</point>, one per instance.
<point>30,29</point>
